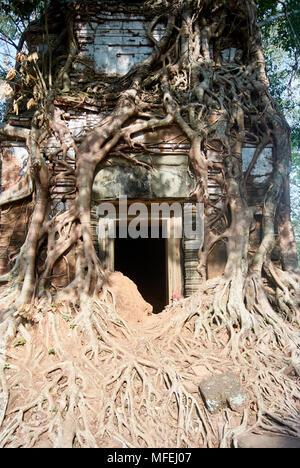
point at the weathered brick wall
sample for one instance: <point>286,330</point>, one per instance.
<point>113,41</point>
<point>13,219</point>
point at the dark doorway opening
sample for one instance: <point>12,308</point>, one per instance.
<point>144,262</point>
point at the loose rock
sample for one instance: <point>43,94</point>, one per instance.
<point>221,391</point>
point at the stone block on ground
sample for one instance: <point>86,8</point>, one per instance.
<point>221,391</point>
<point>268,441</point>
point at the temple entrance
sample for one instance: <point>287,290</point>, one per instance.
<point>144,262</point>
<point>155,265</point>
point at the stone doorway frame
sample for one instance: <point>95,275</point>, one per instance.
<point>174,253</point>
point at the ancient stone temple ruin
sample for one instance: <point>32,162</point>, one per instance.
<point>109,42</point>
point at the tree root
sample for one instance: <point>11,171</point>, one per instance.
<point>83,377</point>
<point>74,373</point>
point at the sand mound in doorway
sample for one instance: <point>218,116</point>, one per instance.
<point>130,304</point>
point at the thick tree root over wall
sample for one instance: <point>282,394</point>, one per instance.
<point>74,373</point>
<point>83,377</point>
